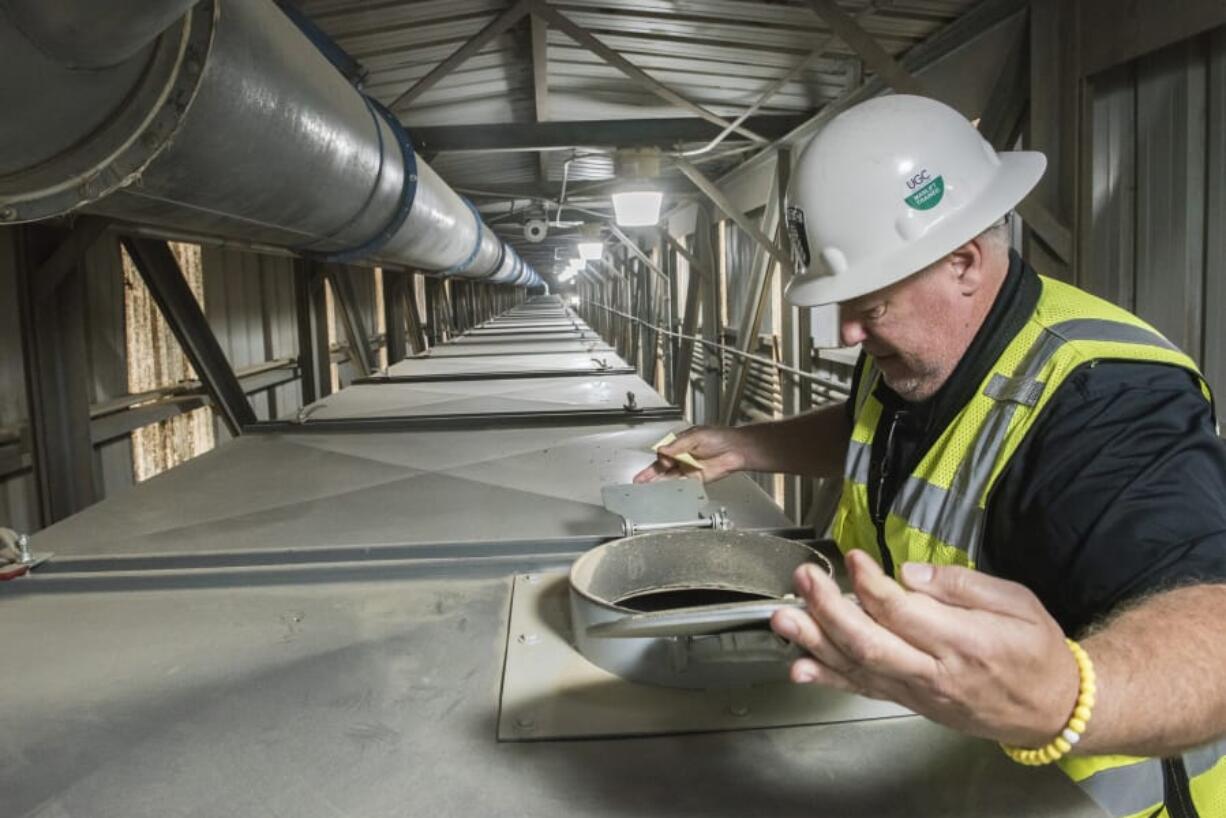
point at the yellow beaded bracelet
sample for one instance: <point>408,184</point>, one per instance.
<point>1071,734</point>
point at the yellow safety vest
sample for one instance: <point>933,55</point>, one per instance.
<point>940,511</point>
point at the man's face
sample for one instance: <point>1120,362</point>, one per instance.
<point>916,330</point>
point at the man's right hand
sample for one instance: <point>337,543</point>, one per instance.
<point>720,451</point>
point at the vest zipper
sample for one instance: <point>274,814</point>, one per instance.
<point>1176,789</point>
<point>880,510</point>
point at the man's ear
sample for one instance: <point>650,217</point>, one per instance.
<point>967,265</point>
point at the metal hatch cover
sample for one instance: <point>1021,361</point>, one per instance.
<point>661,501</point>
<point>549,691</point>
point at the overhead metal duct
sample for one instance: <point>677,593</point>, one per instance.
<point>228,122</point>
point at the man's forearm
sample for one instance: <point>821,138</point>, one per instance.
<point>812,445</point>
<point>1161,669</point>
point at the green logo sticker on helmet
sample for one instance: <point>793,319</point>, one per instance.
<point>928,196</point>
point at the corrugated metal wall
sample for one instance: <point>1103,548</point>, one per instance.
<point>249,302</point>
<point>1157,200</point>
<point>108,356</point>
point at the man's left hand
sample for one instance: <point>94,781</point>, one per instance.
<point>967,650</point>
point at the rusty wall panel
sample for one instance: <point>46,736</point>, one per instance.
<point>155,360</point>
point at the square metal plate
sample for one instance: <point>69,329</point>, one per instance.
<point>661,501</point>
<point>549,691</point>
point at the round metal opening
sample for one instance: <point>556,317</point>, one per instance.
<point>686,568</point>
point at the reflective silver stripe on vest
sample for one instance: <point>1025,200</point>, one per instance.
<point>940,513</point>
<point>924,506</point>
<point>1126,790</point>
<point>856,468</point>
<point>953,515</point>
<point>1101,329</point>
<point>1202,759</point>
<point>1025,391</point>
<point>975,473</point>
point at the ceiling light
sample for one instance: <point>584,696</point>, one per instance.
<point>637,197</point>
<point>637,208</point>
<point>591,250</point>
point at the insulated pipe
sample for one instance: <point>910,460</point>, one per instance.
<point>229,123</point>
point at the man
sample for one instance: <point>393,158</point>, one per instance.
<point>1012,424</point>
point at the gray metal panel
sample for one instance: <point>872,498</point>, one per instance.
<point>314,489</point>
<point>595,346</point>
<point>1214,361</point>
<point>486,396</point>
<point>233,304</point>
<point>249,299</point>
<point>488,341</point>
<point>1170,192</point>
<point>379,698</point>
<point>437,365</point>
<point>108,354</point>
<point>1109,270</point>
<point>18,495</point>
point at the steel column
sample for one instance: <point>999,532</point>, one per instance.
<point>395,286</point>
<point>175,300</point>
<point>351,319</point>
<point>761,269</point>
<point>57,370</point>
<point>416,330</point>
<point>693,303</point>
<point>712,384</point>
<point>670,340</point>
<point>309,312</point>
<point>794,334</point>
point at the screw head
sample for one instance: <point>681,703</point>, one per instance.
<point>7,214</point>
<point>739,710</point>
<point>525,723</point>
<point>528,639</point>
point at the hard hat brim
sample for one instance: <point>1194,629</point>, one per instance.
<point>1019,172</point>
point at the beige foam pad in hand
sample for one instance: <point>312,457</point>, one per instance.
<point>685,458</point>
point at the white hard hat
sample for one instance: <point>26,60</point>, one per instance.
<point>889,187</point>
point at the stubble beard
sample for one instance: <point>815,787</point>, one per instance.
<point>918,385</point>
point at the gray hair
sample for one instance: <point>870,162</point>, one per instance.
<point>1000,234</point>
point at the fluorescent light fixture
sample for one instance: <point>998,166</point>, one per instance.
<point>638,208</point>
<point>591,250</point>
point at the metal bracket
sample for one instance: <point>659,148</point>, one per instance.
<point>663,505</point>
<point>27,560</point>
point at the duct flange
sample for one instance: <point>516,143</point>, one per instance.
<point>684,568</point>
<point>115,154</point>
